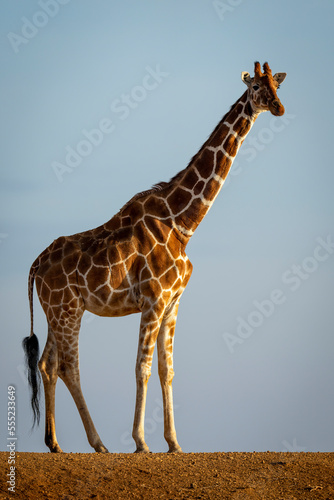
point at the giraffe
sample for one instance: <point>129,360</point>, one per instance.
<point>135,263</point>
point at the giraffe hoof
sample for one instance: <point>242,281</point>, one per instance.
<point>56,449</point>
<point>175,449</point>
<point>143,449</point>
<point>101,449</point>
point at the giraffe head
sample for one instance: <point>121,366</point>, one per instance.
<point>262,89</point>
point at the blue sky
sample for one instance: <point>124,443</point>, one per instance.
<point>254,339</point>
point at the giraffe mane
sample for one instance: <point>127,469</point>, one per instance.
<point>154,189</point>
<point>198,154</point>
<point>164,185</point>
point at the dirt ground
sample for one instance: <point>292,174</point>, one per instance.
<point>97,476</point>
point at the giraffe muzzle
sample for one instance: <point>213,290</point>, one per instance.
<point>276,108</point>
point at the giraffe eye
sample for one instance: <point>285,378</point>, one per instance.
<point>256,87</point>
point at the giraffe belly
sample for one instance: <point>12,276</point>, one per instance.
<point>118,304</point>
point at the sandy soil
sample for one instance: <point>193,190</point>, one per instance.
<point>97,476</point>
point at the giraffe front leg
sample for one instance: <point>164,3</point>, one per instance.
<point>166,374</point>
<point>149,329</point>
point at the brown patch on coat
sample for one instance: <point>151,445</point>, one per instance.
<point>231,145</point>
<point>242,126</point>
<point>204,163</point>
<point>178,200</point>
<point>223,165</point>
<point>234,113</point>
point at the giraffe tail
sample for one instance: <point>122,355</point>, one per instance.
<point>31,350</point>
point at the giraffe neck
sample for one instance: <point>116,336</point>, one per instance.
<point>196,187</point>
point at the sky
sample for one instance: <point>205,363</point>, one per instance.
<point>103,99</point>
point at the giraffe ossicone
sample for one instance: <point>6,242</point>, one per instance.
<point>135,263</point>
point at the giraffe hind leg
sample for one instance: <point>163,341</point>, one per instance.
<point>68,371</point>
<point>48,366</point>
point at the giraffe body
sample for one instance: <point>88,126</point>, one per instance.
<point>136,263</point>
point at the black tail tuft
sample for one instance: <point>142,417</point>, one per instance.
<point>31,349</point>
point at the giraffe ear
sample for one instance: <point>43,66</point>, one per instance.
<point>279,77</point>
<point>246,78</point>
